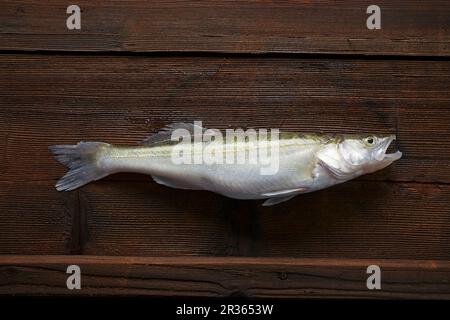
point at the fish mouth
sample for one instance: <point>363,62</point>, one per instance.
<point>383,156</point>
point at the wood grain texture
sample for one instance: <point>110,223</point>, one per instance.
<point>143,219</point>
<point>224,277</point>
<point>401,212</point>
<point>114,219</point>
<point>140,238</point>
<point>49,100</point>
<point>408,27</point>
<point>36,220</point>
<point>360,219</point>
<point>355,220</point>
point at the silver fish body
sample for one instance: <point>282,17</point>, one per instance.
<point>305,163</point>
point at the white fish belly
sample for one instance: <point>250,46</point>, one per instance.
<point>296,168</point>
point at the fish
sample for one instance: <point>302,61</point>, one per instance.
<point>303,162</point>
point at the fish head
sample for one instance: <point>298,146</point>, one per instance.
<point>349,156</point>
<point>367,153</point>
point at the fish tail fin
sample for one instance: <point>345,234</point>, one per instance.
<point>82,159</point>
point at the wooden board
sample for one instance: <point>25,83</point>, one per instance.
<point>137,65</point>
<point>361,220</point>
<point>401,212</point>
<point>36,220</point>
<point>379,220</point>
<point>224,277</point>
<point>407,27</point>
<point>65,99</point>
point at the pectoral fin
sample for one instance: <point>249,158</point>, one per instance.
<point>281,193</point>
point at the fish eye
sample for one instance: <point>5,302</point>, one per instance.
<point>370,141</point>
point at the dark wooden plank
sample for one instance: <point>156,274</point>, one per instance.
<point>224,277</point>
<point>36,220</point>
<point>360,220</point>
<point>143,219</point>
<point>49,100</point>
<point>408,27</point>
<point>115,219</point>
<point>357,220</point>
<point>378,220</point>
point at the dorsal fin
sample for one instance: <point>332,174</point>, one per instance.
<point>164,135</point>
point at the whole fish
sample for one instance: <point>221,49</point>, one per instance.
<point>305,162</point>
